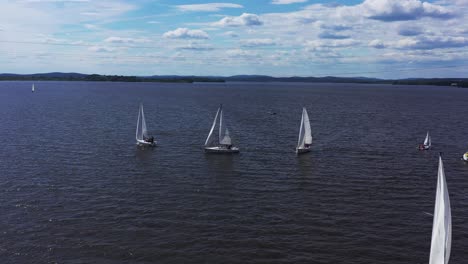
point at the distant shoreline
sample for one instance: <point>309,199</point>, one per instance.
<point>58,76</point>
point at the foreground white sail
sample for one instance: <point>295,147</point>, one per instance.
<point>305,135</point>
<point>142,137</point>
<point>427,143</point>
<point>224,142</point>
<point>442,225</point>
<point>32,89</point>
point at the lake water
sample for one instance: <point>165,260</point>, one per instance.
<point>74,188</point>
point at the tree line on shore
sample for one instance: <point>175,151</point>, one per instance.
<point>57,76</point>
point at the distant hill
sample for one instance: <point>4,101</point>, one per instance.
<point>72,76</point>
<point>45,75</point>
<point>459,82</point>
<point>329,79</point>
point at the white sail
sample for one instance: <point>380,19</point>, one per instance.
<point>224,136</point>
<point>210,135</point>
<point>141,131</point>
<point>32,89</point>
<point>427,141</point>
<point>300,141</point>
<point>144,131</point>
<point>442,225</point>
<point>226,140</point>
<point>307,131</point>
<point>138,129</point>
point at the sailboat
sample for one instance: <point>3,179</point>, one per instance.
<point>142,138</point>
<point>305,135</point>
<point>441,241</point>
<point>32,89</point>
<point>427,143</point>
<point>465,156</point>
<point>224,142</point>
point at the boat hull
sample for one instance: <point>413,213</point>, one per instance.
<point>465,157</point>
<point>424,147</point>
<point>221,150</point>
<point>302,150</point>
<point>142,143</point>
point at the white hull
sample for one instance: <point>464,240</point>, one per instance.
<point>424,147</point>
<point>465,156</point>
<point>143,143</point>
<point>221,150</point>
<point>302,150</point>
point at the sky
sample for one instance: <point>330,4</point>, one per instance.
<point>371,38</point>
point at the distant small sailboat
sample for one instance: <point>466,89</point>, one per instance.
<point>427,143</point>
<point>224,142</point>
<point>441,241</point>
<point>32,89</point>
<point>305,135</point>
<point>142,137</point>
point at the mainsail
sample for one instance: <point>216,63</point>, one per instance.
<point>300,141</point>
<point>307,131</point>
<point>209,139</point>
<point>141,131</point>
<point>442,225</point>
<point>427,141</point>
<point>305,134</point>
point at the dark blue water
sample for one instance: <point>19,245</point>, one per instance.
<point>75,189</point>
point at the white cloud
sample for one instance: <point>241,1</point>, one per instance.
<point>90,26</point>
<point>257,42</point>
<point>185,33</point>
<point>332,35</point>
<point>422,43</point>
<point>100,49</point>
<point>391,10</point>
<point>287,2</point>
<point>409,30</point>
<point>428,43</point>
<point>195,47</point>
<point>231,34</point>
<point>125,40</point>
<point>335,27</point>
<point>211,7</point>
<point>235,53</point>
<point>245,19</point>
<point>377,43</point>
<point>340,43</point>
